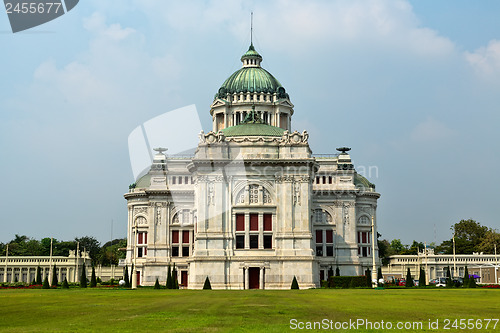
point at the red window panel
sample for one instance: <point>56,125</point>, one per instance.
<point>145,238</point>
<point>329,179</point>
<point>240,222</point>
<point>175,236</point>
<point>254,222</point>
<point>145,251</point>
<point>319,236</point>
<point>359,237</point>
<point>268,222</point>
<point>185,236</point>
<point>363,235</point>
<point>329,236</point>
<point>140,241</point>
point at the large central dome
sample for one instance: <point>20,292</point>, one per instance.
<point>251,78</point>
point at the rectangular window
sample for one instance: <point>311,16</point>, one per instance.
<point>319,236</point>
<point>185,251</point>
<point>254,241</point>
<point>329,251</point>
<point>185,236</point>
<point>240,222</point>
<point>140,241</point>
<point>364,251</point>
<point>139,252</point>
<point>145,251</point>
<point>329,236</point>
<point>173,180</point>
<point>268,241</point>
<point>329,179</point>
<point>186,180</point>
<point>180,180</point>
<point>321,275</point>
<point>268,222</point>
<point>319,251</point>
<point>254,222</point>
<point>240,242</point>
<point>175,236</point>
<point>363,237</point>
<point>175,251</point>
<point>324,179</point>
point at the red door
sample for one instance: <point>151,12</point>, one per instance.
<point>138,277</point>
<point>253,277</point>
<point>184,279</point>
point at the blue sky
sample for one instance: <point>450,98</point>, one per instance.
<point>411,86</point>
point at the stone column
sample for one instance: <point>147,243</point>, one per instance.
<point>261,230</point>
<point>261,278</point>
<point>245,270</point>
<point>247,231</point>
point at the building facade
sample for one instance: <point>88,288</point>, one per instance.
<point>253,207</point>
<point>483,265</point>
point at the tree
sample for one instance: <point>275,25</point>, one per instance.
<point>169,278</point>
<point>93,280</point>
<point>414,248</point>
<point>330,272</point>
<point>38,275</point>
<point>110,253</point>
<point>46,283</point>
<point>175,283</point>
<point>368,275</point>
<point>468,236</point>
<point>384,250</point>
<point>207,285</point>
<point>466,278</point>
<point>409,279</point>
<point>491,238</point>
<point>65,284</point>
<point>54,277</point>
<point>125,277</point>
<point>295,284</point>
<point>83,278</point>
<point>379,273</point>
<point>397,247</point>
<point>157,284</point>
<point>421,278</point>
<point>91,245</point>
<point>132,275</point>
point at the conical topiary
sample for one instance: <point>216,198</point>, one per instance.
<point>409,279</point>
<point>421,279</point>
<point>157,284</point>
<point>337,271</point>
<point>125,278</point>
<point>132,275</point>
<point>83,278</point>
<point>295,284</point>
<point>169,278</point>
<point>368,275</point>
<point>46,283</point>
<point>207,285</point>
<point>39,276</point>
<point>379,273</point>
<point>175,283</point>
<point>466,278</point>
<point>33,282</point>
<point>54,282</point>
<point>449,282</point>
<point>65,284</point>
<point>93,280</point>
<point>472,282</point>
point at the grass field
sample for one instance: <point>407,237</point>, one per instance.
<point>149,310</point>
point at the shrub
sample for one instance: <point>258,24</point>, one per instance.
<point>348,281</point>
<point>38,275</point>
<point>472,283</point>
<point>368,278</point>
<point>169,278</point>
<point>46,283</point>
<point>207,285</point>
<point>83,278</point>
<point>409,279</point>
<point>295,284</point>
<point>157,284</point>
<point>65,284</point>
<point>125,278</point>
<point>54,282</point>
<point>337,271</point>
<point>93,280</point>
<point>466,278</point>
<point>421,279</point>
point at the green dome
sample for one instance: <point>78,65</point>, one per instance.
<point>250,79</point>
<point>253,129</point>
<point>362,181</point>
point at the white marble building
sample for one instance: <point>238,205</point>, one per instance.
<point>253,207</point>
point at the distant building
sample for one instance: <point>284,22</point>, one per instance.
<point>253,207</point>
<point>483,265</point>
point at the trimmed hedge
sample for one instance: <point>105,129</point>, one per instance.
<point>347,281</point>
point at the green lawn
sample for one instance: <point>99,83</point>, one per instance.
<point>148,310</point>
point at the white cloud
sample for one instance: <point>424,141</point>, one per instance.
<point>430,131</point>
<point>486,60</point>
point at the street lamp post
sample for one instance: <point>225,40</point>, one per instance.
<point>454,258</point>
<point>374,264</point>
<point>133,269</point>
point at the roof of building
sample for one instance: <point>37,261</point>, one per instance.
<point>144,181</point>
<point>362,181</point>
<point>252,79</point>
<point>253,129</point>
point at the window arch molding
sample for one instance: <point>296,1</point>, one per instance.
<point>241,187</point>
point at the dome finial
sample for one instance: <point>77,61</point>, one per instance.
<point>251,28</point>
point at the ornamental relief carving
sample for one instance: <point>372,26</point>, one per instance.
<point>140,210</point>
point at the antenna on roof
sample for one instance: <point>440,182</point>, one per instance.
<point>251,28</point>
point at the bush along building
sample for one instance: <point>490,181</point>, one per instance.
<point>253,207</point>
